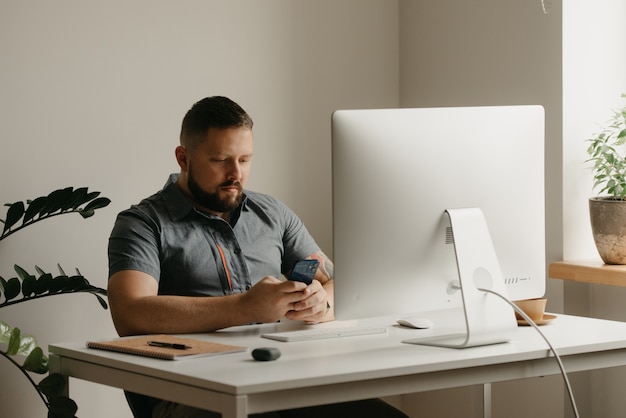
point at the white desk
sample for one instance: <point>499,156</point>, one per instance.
<point>328,371</point>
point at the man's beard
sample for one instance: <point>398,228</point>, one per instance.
<point>213,201</point>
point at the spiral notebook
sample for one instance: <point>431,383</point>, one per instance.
<point>166,347</point>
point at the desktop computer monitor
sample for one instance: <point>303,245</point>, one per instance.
<point>395,172</point>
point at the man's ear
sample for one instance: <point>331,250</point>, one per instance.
<point>182,157</point>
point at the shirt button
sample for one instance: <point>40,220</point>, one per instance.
<point>248,287</point>
<point>237,251</point>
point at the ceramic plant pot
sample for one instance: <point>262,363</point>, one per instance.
<point>608,225</point>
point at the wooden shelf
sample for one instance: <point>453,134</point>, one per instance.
<point>588,271</point>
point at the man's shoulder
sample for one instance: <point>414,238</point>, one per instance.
<point>153,201</point>
<point>164,203</point>
<point>263,200</point>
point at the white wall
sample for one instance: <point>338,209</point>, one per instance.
<point>484,52</point>
<point>93,94</point>
<point>594,76</point>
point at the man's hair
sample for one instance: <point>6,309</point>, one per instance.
<point>211,112</point>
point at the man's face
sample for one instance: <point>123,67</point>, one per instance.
<point>217,170</point>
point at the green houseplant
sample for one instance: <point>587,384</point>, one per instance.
<point>21,349</point>
<point>607,155</point>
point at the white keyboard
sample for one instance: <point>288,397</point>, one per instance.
<point>322,333</point>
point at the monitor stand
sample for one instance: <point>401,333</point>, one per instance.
<point>488,319</point>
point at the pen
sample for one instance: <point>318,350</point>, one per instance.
<point>168,345</point>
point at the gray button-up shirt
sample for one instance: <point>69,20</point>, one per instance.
<point>194,253</point>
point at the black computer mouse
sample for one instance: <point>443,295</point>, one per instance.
<point>265,353</point>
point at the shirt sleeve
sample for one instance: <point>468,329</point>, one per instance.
<point>134,244</point>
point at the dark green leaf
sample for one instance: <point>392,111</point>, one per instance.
<point>77,283</point>
<point>53,385</point>
<point>59,283</point>
<point>57,200</point>
<point>97,290</point>
<point>61,270</point>
<point>28,281</point>
<point>27,344</point>
<point>5,332</point>
<point>62,407</point>
<point>14,214</point>
<point>35,208</point>
<point>12,288</point>
<point>91,196</point>
<point>14,342</point>
<point>87,213</point>
<point>23,274</point>
<point>29,285</point>
<point>103,302</point>
<point>44,284</point>
<point>36,362</point>
<point>68,198</point>
<point>98,203</point>
<point>80,196</point>
<point>77,197</point>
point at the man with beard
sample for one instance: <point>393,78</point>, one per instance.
<point>202,254</point>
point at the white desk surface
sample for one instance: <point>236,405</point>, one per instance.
<point>341,369</point>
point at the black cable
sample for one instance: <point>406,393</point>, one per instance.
<point>556,356</point>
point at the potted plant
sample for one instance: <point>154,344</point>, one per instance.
<point>607,155</point>
<point>21,349</point>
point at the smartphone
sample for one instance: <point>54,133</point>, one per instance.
<point>304,271</point>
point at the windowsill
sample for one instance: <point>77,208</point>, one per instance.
<point>588,271</point>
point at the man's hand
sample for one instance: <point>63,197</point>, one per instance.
<point>271,299</point>
<point>313,307</point>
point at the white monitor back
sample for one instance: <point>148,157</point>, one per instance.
<point>396,171</point>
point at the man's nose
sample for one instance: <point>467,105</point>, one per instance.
<point>234,171</point>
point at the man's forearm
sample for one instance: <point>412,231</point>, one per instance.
<point>179,314</point>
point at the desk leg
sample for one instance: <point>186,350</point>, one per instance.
<point>54,367</point>
<point>486,400</point>
<point>238,409</point>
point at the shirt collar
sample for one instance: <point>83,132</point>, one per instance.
<point>179,206</point>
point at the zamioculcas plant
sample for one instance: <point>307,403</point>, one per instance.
<point>22,349</point>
